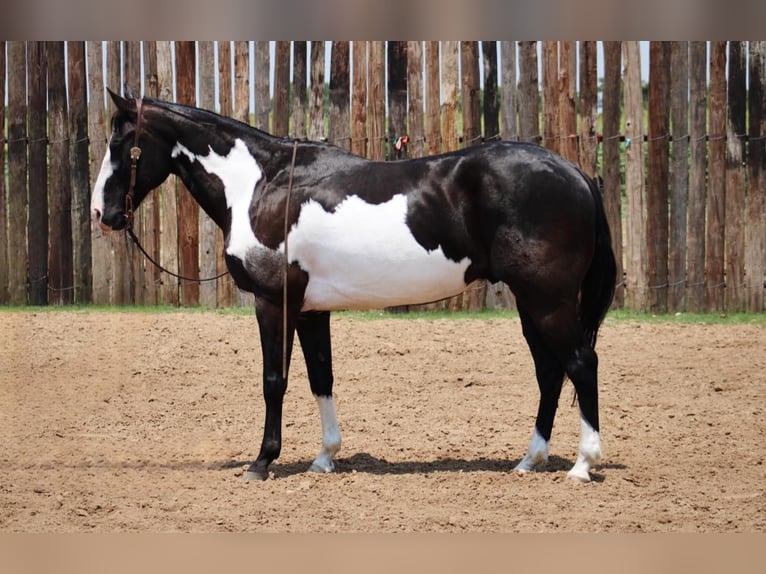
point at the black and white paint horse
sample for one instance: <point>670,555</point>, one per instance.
<point>366,234</point>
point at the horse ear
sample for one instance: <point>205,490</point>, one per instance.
<point>119,101</point>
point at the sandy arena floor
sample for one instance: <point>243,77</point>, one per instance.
<point>143,422</point>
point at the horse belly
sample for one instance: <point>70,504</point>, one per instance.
<point>364,256</point>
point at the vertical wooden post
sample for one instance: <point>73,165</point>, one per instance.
<point>242,112</point>
<point>316,98</point>
<point>37,218</point>
<point>755,230</point>
<point>225,285</point>
<point>168,198</point>
<point>611,158</point>
<point>735,195</point>
<point>376,100</point>
<point>588,112</point>
<point>636,263</point>
<point>60,272</point>
<point>188,211</point>
<point>132,66</point>
<point>359,101</point>
<point>242,82</point>
<point>658,166</point>
<point>262,84</point>
<point>416,129</point>
<point>397,97</point>
<point>150,211</point>
<point>281,123</point>
<point>695,225</point>
<point>529,95</point>
<point>208,230</point>
<point>17,173</point>
<point>509,93</point>
<point>470,90</point>
<point>339,125</point>
<point>567,126</point>
<point>78,150</point>
<point>433,95</point>
<point>450,87</point>
<point>679,191</point>
<point>300,95</point>
<point>716,197</point>
<point>491,99</point>
<point>4,277</point>
<point>550,55</point>
<point>101,252</point>
<point>471,95</point>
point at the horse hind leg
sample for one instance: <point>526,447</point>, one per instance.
<point>314,335</point>
<point>550,377</point>
<point>582,369</point>
<point>559,346</point>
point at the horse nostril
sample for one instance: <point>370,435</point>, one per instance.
<point>96,215</point>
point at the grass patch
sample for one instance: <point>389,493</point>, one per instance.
<point>689,318</point>
<point>618,316</point>
<point>621,315</point>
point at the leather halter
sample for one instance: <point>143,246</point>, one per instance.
<point>135,155</point>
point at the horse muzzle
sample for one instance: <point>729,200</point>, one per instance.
<point>107,223</point>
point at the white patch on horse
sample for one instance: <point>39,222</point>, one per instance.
<point>537,453</point>
<point>97,197</point>
<point>363,256</point>
<point>239,173</point>
<point>330,436</point>
<point>590,452</point>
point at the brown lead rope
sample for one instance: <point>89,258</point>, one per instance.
<point>287,264</point>
<point>168,271</point>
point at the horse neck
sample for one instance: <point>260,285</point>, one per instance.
<point>213,159</point>
<point>211,198</point>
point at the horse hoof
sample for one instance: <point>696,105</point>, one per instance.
<point>254,474</point>
<point>525,467</point>
<point>320,469</point>
<point>578,476</point>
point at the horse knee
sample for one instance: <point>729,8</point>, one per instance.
<point>274,387</point>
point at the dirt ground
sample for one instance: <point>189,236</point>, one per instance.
<point>118,421</point>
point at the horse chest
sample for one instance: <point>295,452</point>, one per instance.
<point>364,255</point>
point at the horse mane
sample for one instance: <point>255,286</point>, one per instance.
<point>203,116</point>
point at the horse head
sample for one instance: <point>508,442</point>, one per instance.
<point>136,161</point>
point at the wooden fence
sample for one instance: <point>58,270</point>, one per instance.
<point>682,166</point>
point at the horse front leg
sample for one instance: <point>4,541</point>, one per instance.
<point>270,325</point>
<point>314,334</point>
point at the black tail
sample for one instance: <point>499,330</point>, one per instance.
<point>598,286</point>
